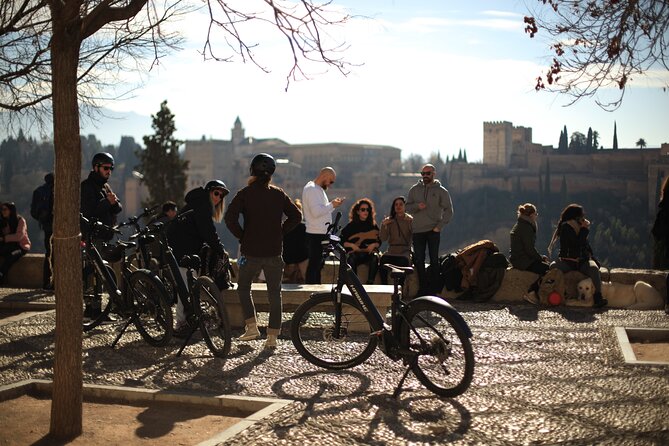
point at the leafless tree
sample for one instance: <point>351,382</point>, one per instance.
<point>601,43</point>
<point>58,57</point>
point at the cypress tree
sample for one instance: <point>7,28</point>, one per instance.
<point>588,142</point>
<point>615,136</point>
<point>163,169</point>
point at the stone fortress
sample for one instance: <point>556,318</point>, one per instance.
<point>511,161</point>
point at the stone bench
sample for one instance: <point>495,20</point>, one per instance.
<point>292,295</point>
<point>26,272</point>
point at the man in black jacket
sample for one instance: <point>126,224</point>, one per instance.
<point>97,198</point>
<point>98,201</point>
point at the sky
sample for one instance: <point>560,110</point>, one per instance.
<point>426,75</point>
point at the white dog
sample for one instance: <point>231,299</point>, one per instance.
<point>640,296</point>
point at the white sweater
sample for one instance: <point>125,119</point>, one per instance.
<point>316,208</point>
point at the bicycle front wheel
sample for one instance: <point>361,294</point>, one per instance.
<point>444,358</point>
<point>332,336</point>
<point>213,317</point>
<point>153,313</point>
<point>97,297</point>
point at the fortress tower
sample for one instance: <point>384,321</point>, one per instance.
<point>237,133</point>
<point>497,143</point>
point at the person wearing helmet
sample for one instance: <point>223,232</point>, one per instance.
<point>263,206</point>
<point>188,235</point>
<point>98,200</point>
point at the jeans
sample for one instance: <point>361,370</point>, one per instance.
<point>359,258</point>
<point>421,240</point>
<point>273,268</point>
<point>589,268</point>
<point>315,250</point>
<point>11,253</point>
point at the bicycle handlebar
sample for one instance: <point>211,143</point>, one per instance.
<point>133,220</point>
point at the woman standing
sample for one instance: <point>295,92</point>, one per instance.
<point>575,252</point>
<point>263,206</point>
<point>14,241</point>
<point>187,236</point>
<point>660,233</point>
<point>397,230</point>
<point>361,237</point>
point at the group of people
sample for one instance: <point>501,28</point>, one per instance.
<point>276,232</point>
<point>412,226</point>
<point>575,253</point>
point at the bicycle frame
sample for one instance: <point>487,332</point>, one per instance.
<point>390,331</point>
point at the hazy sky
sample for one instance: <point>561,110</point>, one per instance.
<point>430,74</point>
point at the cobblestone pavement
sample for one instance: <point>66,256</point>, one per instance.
<point>543,376</point>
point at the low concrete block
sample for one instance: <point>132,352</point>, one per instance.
<point>515,284</point>
<point>26,272</point>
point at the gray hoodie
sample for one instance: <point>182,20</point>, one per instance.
<point>439,208</point>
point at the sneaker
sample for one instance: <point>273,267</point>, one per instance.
<point>108,319</point>
<point>271,341</point>
<point>531,297</point>
<point>251,332</point>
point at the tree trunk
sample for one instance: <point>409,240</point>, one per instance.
<point>66,404</point>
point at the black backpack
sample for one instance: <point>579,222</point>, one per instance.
<point>41,206</point>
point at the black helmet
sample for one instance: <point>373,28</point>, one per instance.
<point>263,165</point>
<point>217,184</point>
<point>102,158</point>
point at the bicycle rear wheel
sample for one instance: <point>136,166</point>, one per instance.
<point>213,317</point>
<point>153,317</point>
<point>97,297</point>
<point>312,331</point>
<point>444,360</point>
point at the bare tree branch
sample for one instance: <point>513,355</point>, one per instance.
<point>601,44</point>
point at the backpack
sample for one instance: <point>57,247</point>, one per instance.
<point>553,280</point>
<point>41,206</point>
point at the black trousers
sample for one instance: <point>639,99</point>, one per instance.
<point>10,253</point>
<point>315,250</point>
<point>393,260</point>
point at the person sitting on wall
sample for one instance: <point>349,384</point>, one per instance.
<point>14,241</point>
<point>361,237</point>
<point>397,231</point>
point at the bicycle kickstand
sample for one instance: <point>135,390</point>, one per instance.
<point>398,389</point>
<point>123,329</point>
<point>190,335</point>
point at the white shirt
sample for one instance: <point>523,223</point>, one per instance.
<point>316,208</point>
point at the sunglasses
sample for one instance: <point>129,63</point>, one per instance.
<point>106,167</point>
<point>426,174</point>
<point>364,209</point>
<point>218,193</point>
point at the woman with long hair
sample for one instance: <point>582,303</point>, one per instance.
<point>361,237</point>
<point>575,252</point>
<point>262,207</point>
<point>523,254</point>
<point>14,241</point>
<point>187,236</point>
<point>397,230</point>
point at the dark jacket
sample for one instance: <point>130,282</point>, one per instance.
<point>572,245</point>
<point>660,233</point>
<point>263,208</point>
<point>94,203</point>
<point>187,236</point>
<point>523,240</point>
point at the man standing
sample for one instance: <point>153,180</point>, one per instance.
<point>262,206</point>
<point>100,202</point>
<point>430,205</point>
<point>97,198</point>
<point>41,209</point>
<point>317,214</point>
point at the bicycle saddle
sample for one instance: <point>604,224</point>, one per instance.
<point>398,271</point>
<point>190,261</point>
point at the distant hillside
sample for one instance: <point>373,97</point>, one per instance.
<point>112,125</point>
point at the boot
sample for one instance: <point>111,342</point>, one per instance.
<point>599,301</point>
<point>251,331</point>
<point>272,335</point>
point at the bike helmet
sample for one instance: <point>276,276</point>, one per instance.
<point>263,165</point>
<point>217,184</point>
<point>102,158</point>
